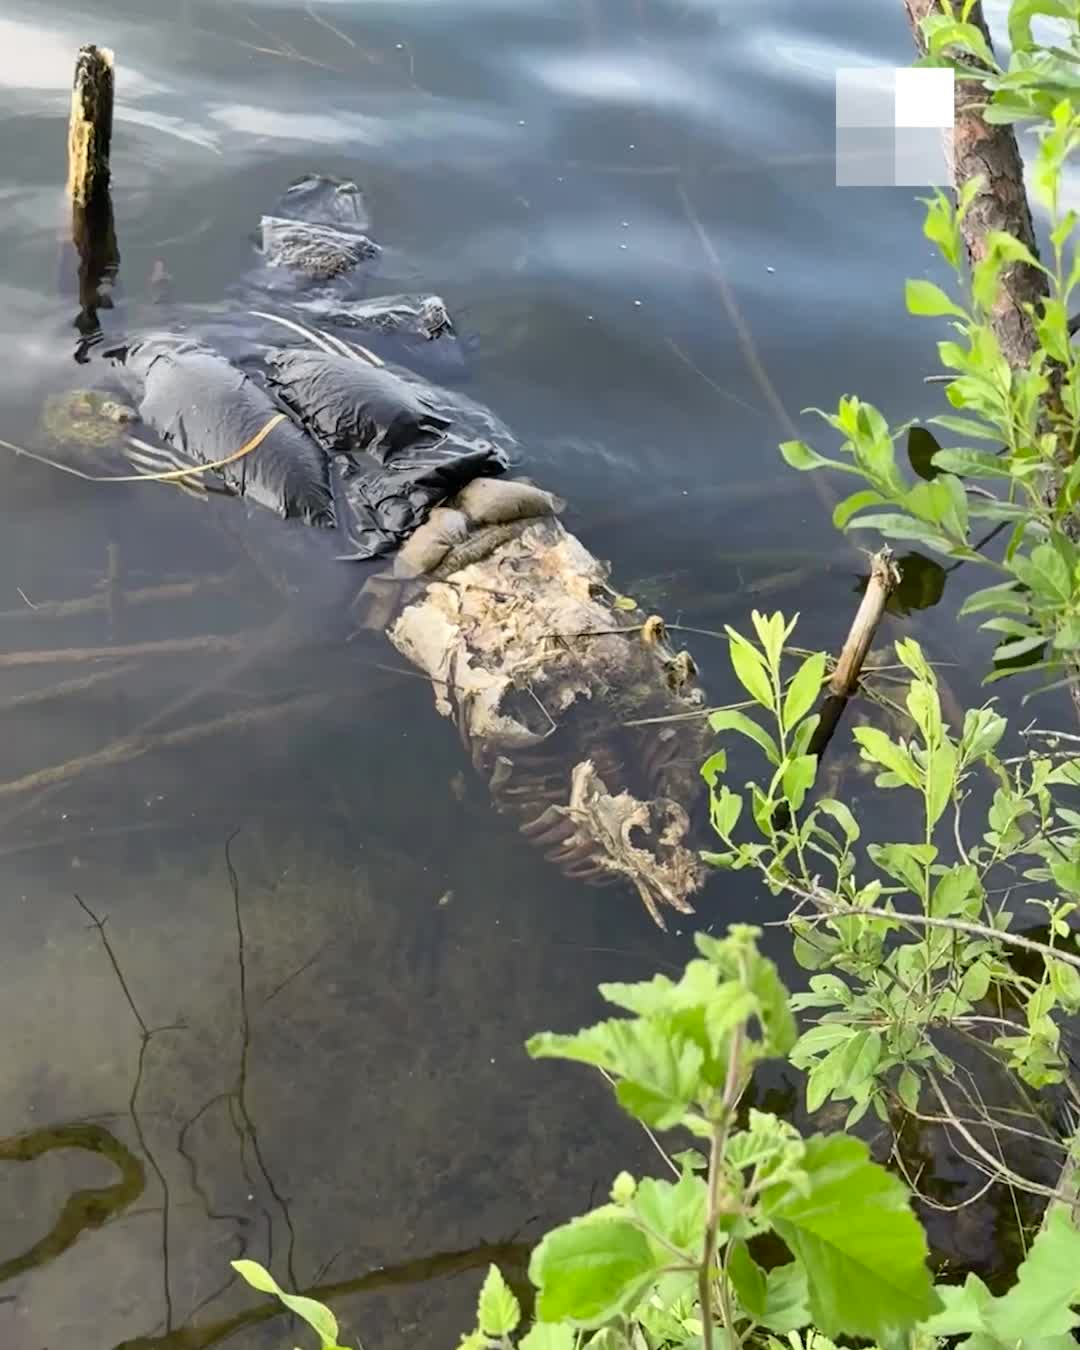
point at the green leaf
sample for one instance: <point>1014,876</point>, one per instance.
<point>850,1225</point>
<point>983,728</point>
<point>607,1338</point>
<point>547,1336</point>
<point>850,506</point>
<point>1021,13</point>
<point>952,893</point>
<point>726,808</point>
<point>941,780</point>
<point>993,597</point>
<point>905,862</point>
<point>1068,771</point>
<point>1012,651</point>
<point>972,464</point>
<point>761,992</point>
<point>964,426</point>
<point>623,1188</point>
<point>942,33</point>
<point>1036,1308</point>
<point>923,297</point>
<point>661,1072</point>
<point>828,1073</point>
<point>877,748</point>
<point>749,1280</point>
<point>319,1317</point>
<point>714,766</point>
<point>941,502</point>
<point>1066,874</point>
<point>976,981</point>
<point>1046,573</point>
<point>771,635</point>
<point>729,720</point>
<point>589,1270</point>
<point>498,1311</point>
<point>674,1210</point>
<point>963,1309</point>
<point>798,455</point>
<point>908,1089</point>
<point>798,779</point>
<point>825,1036</point>
<point>804,688</point>
<point>941,228</point>
<point>862,1058</point>
<point>896,526</point>
<point>749,666</point>
<point>787,1306</point>
<point>842,816</point>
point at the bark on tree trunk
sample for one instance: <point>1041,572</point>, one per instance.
<point>1001,204</point>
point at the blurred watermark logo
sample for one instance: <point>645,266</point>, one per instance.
<point>894,127</point>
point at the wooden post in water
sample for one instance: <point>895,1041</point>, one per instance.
<point>89,143</point>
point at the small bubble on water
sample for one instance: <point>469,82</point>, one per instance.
<point>521,123</point>
<point>637,303</point>
<point>624,246</point>
<point>625,224</point>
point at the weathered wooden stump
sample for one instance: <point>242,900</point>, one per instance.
<point>89,143</point>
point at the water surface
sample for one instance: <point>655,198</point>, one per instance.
<point>316,1057</point>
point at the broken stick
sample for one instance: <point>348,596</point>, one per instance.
<point>89,143</point>
<point>884,579</point>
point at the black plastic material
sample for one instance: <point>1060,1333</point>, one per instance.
<point>384,504</point>
<point>351,406</point>
<point>207,409</point>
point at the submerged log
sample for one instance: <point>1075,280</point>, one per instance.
<point>89,143</point>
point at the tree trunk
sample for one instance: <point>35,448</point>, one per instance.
<point>1001,204</point>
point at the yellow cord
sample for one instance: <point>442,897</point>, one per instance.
<point>175,475</point>
<point>171,476</point>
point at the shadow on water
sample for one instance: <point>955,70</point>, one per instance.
<point>310,1051</point>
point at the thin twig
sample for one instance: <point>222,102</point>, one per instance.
<point>652,1137</point>
<point>830,909</point>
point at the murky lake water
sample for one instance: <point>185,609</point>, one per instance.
<point>603,191</point>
